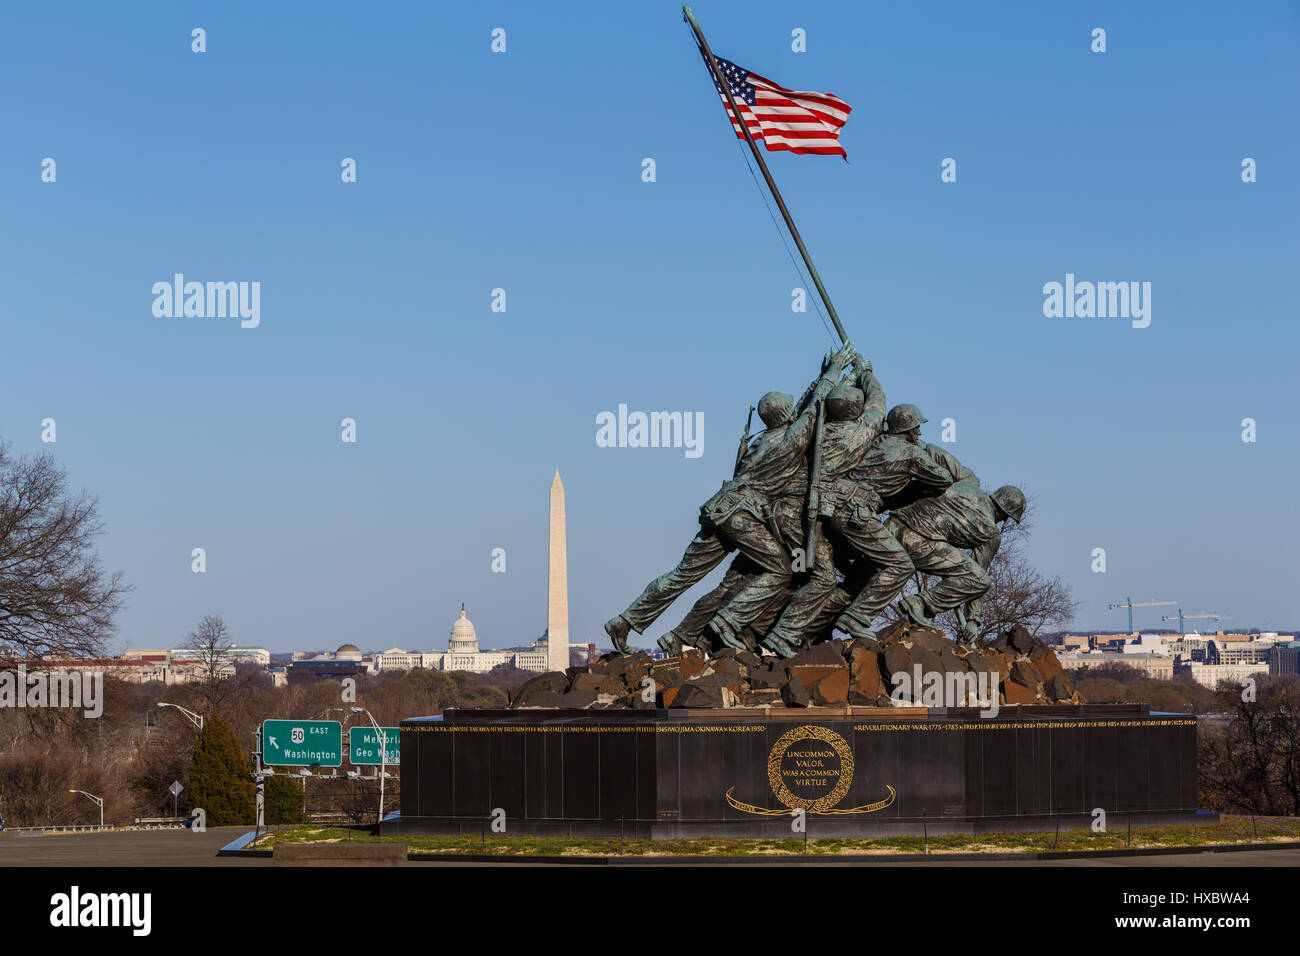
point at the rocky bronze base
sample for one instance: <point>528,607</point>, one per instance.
<point>1017,668</point>
<point>853,771</point>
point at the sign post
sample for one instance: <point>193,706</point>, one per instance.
<point>259,772</point>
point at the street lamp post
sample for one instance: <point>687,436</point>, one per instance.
<point>195,719</point>
<point>98,800</point>
<point>383,753</point>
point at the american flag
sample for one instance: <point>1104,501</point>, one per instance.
<point>800,122</point>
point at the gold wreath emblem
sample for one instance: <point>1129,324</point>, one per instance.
<point>810,732</point>
<point>825,804</point>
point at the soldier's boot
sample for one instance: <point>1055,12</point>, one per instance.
<point>913,606</point>
<point>706,643</point>
<point>722,632</point>
<point>783,643</point>
<point>778,645</point>
<point>618,629</point>
<point>700,641</point>
<point>853,627</point>
<point>671,643</point>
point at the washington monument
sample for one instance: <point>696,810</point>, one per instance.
<point>557,593</point>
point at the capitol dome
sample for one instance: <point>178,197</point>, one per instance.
<point>348,652</point>
<point>464,639</point>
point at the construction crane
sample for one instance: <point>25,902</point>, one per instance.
<point>1180,617</point>
<point>1130,605</point>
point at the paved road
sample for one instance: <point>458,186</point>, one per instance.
<point>1288,858</point>
<point>183,848</point>
<point>125,848</point>
<point>1247,857</point>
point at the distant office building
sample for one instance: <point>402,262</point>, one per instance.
<point>396,659</point>
<point>1210,675</point>
<point>1145,644</point>
<point>347,661</point>
<point>534,658</point>
<point>185,664</point>
<point>155,654</point>
<point>1158,666</point>
<point>1238,652</point>
<point>1284,658</point>
<point>1185,648</point>
<point>258,656</point>
<point>1206,658</point>
<point>1110,642</point>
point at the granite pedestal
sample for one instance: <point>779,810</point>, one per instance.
<point>854,771</point>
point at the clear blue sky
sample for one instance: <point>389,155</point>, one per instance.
<point>522,170</point>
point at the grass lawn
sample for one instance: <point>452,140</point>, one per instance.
<point>1230,829</point>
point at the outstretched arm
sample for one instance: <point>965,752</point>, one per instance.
<point>927,470</point>
<point>832,367</point>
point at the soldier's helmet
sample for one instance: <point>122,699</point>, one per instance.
<point>844,402</point>
<point>903,418</point>
<point>1011,500</point>
<point>775,408</point>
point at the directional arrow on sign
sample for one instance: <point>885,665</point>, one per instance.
<point>273,742</point>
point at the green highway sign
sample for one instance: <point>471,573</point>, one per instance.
<point>364,745</point>
<point>302,743</point>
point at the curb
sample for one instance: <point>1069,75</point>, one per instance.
<point>236,849</point>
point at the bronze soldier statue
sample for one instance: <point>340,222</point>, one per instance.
<point>740,515</point>
<point>890,473</point>
<point>828,516</point>
<point>784,488</point>
<point>934,531</point>
<point>856,419</point>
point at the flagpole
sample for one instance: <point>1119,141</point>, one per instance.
<point>721,80</point>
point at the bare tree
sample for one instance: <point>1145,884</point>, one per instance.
<point>1249,758</point>
<point>358,797</point>
<point>55,598</point>
<point>1019,594</point>
<point>215,665</point>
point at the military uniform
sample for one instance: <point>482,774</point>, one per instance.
<point>787,514</point>
<point>843,446</point>
<point>771,570</point>
<point>740,516</point>
<point>893,471</point>
<point>934,531</point>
